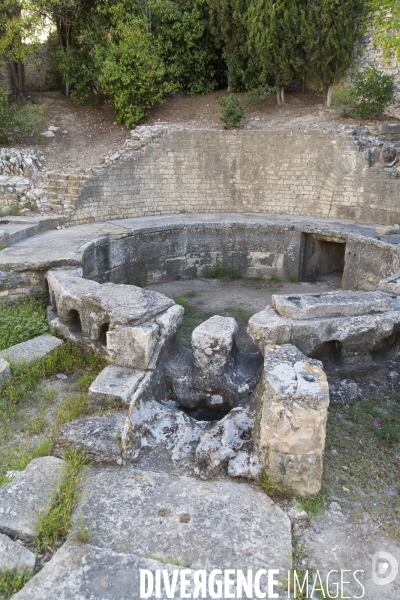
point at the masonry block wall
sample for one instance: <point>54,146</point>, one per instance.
<point>295,172</point>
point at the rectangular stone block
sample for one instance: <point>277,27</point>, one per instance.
<point>34,349</point>
<point>269,328</point>
<point>115,385</point>
<point>331,304</point>
<point>132,346</point>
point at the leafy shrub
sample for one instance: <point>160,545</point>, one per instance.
<point>344,100</point>
<point>132,73</point>
<point>371,93</point>
<point>18,122</point>
<point>375,91</point>
<point>256,96</point>
<point>232,111</point>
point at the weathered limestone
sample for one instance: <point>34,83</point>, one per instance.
<point>30,494</point>
<point>114,387</point>
<point>294,408</point>
<point>216,373</point>
<point>34,349</point>
<point>98,437</point>
<point>355,325</point>
<point>216,524</point>
<point>220,445</point>
<point>14,556</point>
<point>391,284</point>
<point>212,344</point>
<point>125,324</point>
<point>331,304</point>
<point>81,571</point>
<point>5,371</point>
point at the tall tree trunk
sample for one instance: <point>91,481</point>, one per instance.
<point>283,95</point>
<point>278,98</point>
<point>329,96</point>
<point>18,77</point>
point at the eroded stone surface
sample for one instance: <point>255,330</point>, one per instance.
<point>33,349</point>
<point>391,284</point>
<point>30,494</point>
<point>85,572</point>
<point>221,524</point>
<point>5,371</point>
<point>294,407</point>
<point>14,556</point>
<point>98,437</point>
<point>114,386</point>
<point>212,344</point>
<point>331,304</point>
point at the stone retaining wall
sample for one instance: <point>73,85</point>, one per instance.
<point>298,172</point>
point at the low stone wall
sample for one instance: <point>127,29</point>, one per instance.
<point>298,172</point>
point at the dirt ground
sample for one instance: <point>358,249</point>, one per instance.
<point>93,133</point>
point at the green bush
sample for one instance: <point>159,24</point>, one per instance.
<point>344,100</point>
<point>232,111</point>
<point>256,96</point>
<point>18,122</point>
<point>371,93</point>
<point>375,91</point>
<point>132,73</point>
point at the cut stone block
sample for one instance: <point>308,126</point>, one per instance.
<point>126,304</point>
<point>114,386</point>
<point>269,328</point>
<point>82,572</point>
<point>331,304</point>
<point>30,494</point>
<point>170,321</point>
<point>14,556</point>
<point>99,438</point>
<point>293,418</point>
<point>221,524</point>
<point>34,349</point>
<point>391,284</point>
<point>5,371</point>
<point>133,346</point>
<point>212,344</point>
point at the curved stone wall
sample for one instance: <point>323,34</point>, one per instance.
<point>295,172</point>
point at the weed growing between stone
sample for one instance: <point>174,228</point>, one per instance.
<point>11,583</point>
<point>29,421</point>
<point>53,527</point>
<point>22,321</point>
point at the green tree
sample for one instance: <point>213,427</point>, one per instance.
<point>275,41</point>
<point>330,35</point>
<point>132,73</point>
<point>19,22</point>
<point>228,23</point>
<point>385,18</point>
<point>184,42</point>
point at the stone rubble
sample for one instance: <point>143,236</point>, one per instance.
<point>5,371</point>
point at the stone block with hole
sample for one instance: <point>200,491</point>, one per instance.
<point>293,414</point>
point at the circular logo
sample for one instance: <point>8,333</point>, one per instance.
<point>384,568</point>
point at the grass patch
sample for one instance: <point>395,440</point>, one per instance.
<point>22,321</point>
<point>72,408</point>
<point>361,458</point>
<point>313,505</point>
<point>65,359</point>
<point>54,526</point>
<point>220,272</point>
<point>11,582</point>
<point>241,315</point>
<point>192,318</point>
